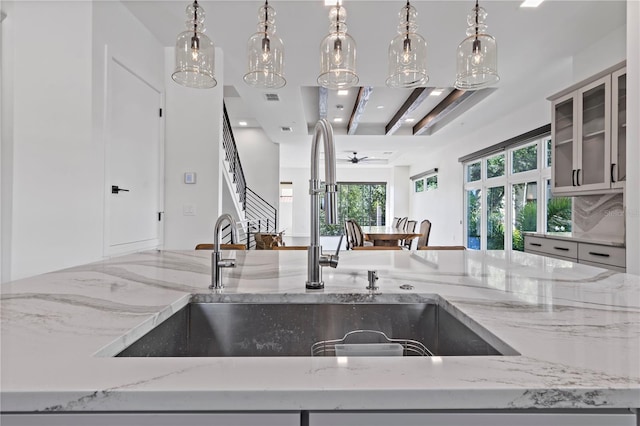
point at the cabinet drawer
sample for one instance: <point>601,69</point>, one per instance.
<point>564,249</point>
<point>606,255</point>
<point>602,265</point>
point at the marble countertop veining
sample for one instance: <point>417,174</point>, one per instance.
<point>576,327</point>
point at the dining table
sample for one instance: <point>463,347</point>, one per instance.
<point>387,235</point>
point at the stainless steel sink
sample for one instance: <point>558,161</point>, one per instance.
<point>247,325</point>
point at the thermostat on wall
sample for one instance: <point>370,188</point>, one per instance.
<point>190,177</point>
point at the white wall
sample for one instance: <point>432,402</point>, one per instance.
<point>193,143</point>
<point>57,194</point>
<point>633,138</point>
<point>260,159</point>
<point>6,142</point>
<point>446,213</point>
<point>400,195</point>
<point>56,154</point>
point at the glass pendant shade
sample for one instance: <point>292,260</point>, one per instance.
<point>265,53</point>
<point>195,53</point>
<point>338,54</point>
<point>477,59</point>
<point>407,53</point>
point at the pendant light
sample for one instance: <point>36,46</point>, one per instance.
<point>407,53</point>
<point>195,52</point>
<point>477,62</point>
<point>265,52</point>
<point>338,53</point>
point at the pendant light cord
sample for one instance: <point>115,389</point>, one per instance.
<point>195,18</point>
<point>407,21</point>
<point>266,17</point>
<point>476,19</point>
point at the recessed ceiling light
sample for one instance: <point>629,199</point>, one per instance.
<point>410,120</point>
<point>436,92</point>
<point>338,120</point>
<point>531,3</point>
<point>242,123</point>
<point>343,92</point>
<point>380,106</point>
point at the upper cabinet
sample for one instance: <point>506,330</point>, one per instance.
<point>619,128</point>
<point>588,134</point>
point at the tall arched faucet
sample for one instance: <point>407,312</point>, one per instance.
<point>216,261</point>
<point>315,257</point>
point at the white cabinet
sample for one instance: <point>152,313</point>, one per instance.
<point>600,255</point>
<point>153,419</point>
<point>619,128</point>
<point>592,418</point>
<point>588,132</point>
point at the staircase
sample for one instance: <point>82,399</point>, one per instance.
<point>258,215</point>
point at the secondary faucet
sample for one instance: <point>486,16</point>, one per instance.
<point>316,259</point>
<point>216,261</point>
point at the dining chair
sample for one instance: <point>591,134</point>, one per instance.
<point>409,228</point>
<point>378,248</point>
<point>359,235</point>
<point>425,229</point>
<point>442,248</point>
<point>401,223</point>
<point>290,247</point>
<point>209,246</point>
<point>348,232</point>
<point>394,223</point>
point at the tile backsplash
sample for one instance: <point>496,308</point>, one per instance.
<point>599,215</point>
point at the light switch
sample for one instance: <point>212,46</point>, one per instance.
<point>190,177</point>
<point>188,210</point>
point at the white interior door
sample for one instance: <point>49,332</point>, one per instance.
<point>133,170</point>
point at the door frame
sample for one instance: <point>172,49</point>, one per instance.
<point>110,59</point>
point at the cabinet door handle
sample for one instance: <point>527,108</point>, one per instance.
<point>535,244</point>
<point>573,178</point>
<point>613,179</point>
<point>578,177</point>
<point>595,253</point>
<point>561,248</point>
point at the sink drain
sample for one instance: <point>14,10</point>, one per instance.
<point>406,287</point>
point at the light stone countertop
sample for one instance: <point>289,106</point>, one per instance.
<point>576,327</point>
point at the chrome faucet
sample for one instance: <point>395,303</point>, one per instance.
<point>216,261</point>
<point>316,259</point>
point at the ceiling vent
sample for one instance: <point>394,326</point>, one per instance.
<point>286,129</point>
<point>272,97</point>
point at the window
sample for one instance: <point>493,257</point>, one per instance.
<point>525,159</point>
<point>363,202</point>
<point>474,172</point>
<point>432,182</point>
<point>509,194</point>
<point>558,212</point>
<point>524,200</point>
<point>495,166</point>
<point>419,185</point>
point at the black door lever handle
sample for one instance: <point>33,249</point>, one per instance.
<point>115,189</point>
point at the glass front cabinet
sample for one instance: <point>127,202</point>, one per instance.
<point>619,128</point>
<point>588,132</point>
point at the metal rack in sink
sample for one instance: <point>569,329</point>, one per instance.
<point>369,343</point>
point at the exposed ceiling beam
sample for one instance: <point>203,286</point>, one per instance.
<point>323,100</point>
<point>413,101</point>
<point>458,100</point>
<point>358,108</point>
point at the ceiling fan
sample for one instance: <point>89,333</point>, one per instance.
<point>355,159</point>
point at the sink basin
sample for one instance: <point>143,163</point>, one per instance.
<point>249,325</point>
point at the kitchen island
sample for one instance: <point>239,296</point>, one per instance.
<point>576,329</point>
